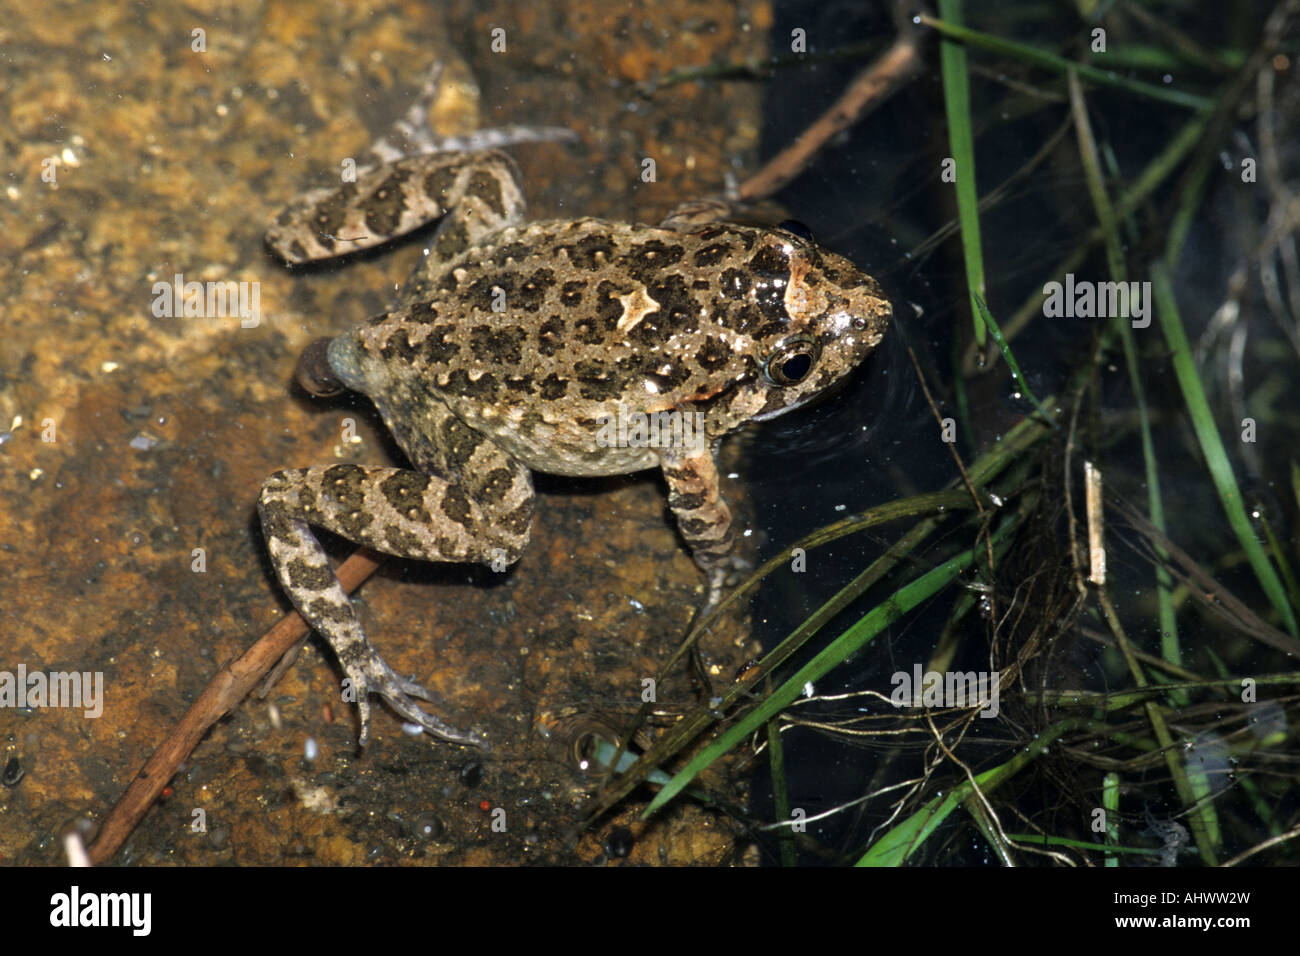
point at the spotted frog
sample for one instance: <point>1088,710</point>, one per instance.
<point>513,348</point>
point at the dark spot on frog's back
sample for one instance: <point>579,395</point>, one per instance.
<point>742,318</point>
<point>571,293</point>
<point>532,292</point>
<point>769,263</point>
<point>510,252</point>
<point>608,308</point>
<point>550,336</point>
<point>398,347</point>
<point>588,331</point>
<point>711,255</point>
<point>678,312</point>
<point>554,387</point>
<point>645,259</point>
<point>768,266</point>
<point>734,283</point>
<point>482,293</point>
<point>713,355</point>
<point>497,346</point>
<point>591,252</point>
<point>520,384</point>
<point>596,382</point>
<point>460,383</point>
<point>387,203</point>
<point>439,346</point>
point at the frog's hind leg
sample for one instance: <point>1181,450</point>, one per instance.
<point>481,189</point>
<point>411,178</point>
<point>695,214</point>
<point>703,518</point>
<point>396,511</point>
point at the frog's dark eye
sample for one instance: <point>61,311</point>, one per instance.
<point>796,228</point>
<point>791,361</point>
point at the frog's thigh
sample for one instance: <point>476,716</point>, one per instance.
<point>392,510</point>
<point>402,512</point>
<point>695,497</point>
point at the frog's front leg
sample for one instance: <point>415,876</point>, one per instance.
<point>395,511</point>
<point>695,498</point>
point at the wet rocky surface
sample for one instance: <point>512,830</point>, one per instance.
<point>132,445</point>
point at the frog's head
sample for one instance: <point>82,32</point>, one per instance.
<point>818,315</point>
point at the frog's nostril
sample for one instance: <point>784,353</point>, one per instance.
<point>314,374</point>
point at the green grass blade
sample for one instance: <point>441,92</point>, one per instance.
<point>851,641</point>
<point>781,793</point>
<point>961,141</point>
<point>1108,219</point>
<point>1010,359</point>
<point>1110,805</point>
<point>1038,839</point>
<point>1031,54</point>
<point>895,846</point>
<point>1216,456</point>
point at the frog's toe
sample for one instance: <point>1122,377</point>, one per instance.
<point>412,689</point>
<point>399,693</point>
<point>363,712</point>
<point>737,570</point>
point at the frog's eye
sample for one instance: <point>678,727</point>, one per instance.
<point>796,228</point>
<point>791,361</point>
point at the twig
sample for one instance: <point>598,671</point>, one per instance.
<point>1271,841</point>
<point>227,688</point>
<point>872,87</point>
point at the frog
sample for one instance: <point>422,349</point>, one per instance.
<point>512,348</point>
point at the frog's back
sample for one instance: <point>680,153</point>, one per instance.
<point>544,332</point>
<point>566,313</point>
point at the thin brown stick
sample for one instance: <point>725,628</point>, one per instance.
<point>1271,841</point>
<point>872,87</point>
<point>228,687</point>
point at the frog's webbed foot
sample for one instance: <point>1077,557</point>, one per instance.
<point>370,674</point>
<point>724,576</point>
<point>411,135</point>
<point>395,511</point>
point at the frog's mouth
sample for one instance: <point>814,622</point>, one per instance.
<point>814,395</point>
